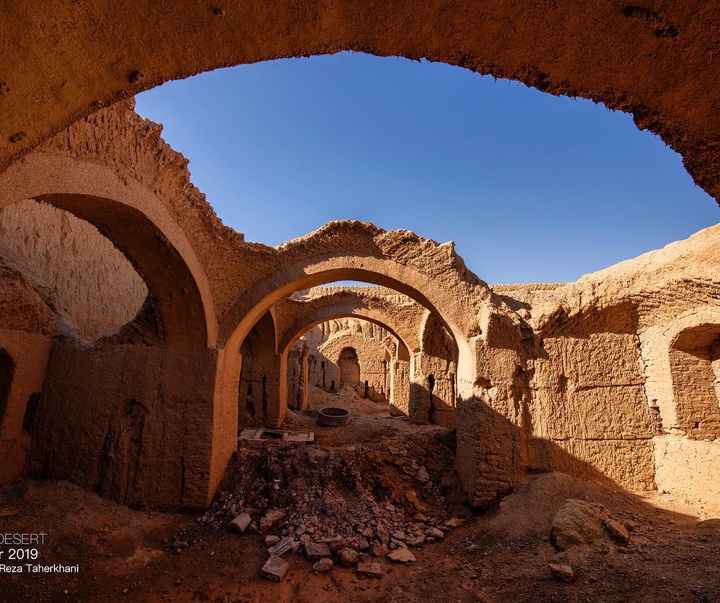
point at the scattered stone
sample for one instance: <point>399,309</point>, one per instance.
<point>415,541</point>
<point>382,533</point>
<point>275,568</point>
<point>316,550</point>
<point>422,475</point>
<point>348,557</point>
<point>455,522</point>
<point>413,499</point>
<point>402,555</point>
<point>271,540</point>
<point>337,544</point>
<point>435,533</point>
<point>577,522</point>
<point>370,569</point>
<point>360,543</point>
<point>353,522</point>
<point>379,550</point>
<point>562,572</point>
<point>271,518</point>
<point>323,566</point>
<point>617,531</point>
<point>240,523</point>
<point>282,547</point>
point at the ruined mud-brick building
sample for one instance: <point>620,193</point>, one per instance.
<point>128,312</point>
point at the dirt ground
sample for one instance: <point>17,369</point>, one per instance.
<point>499,555</point>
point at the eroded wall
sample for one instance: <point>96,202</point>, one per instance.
<point>621,377</point>
<point>372,345</point>
<point>588,413</point>
<point>87,280</point>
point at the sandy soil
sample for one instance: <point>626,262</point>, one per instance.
<point>501,555</point>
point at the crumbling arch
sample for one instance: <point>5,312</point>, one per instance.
<point>593,54</point>
<point>400,360</point>
<point>295,317</point>
<point>150,449</point>
<point>297,330</point>
<point>137,223</point>
<point>464,299</point>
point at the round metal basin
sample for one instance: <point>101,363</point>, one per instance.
<point>333,416</point>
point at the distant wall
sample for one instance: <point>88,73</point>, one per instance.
<point>588,413</point>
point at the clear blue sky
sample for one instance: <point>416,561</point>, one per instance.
<point>531,187</point>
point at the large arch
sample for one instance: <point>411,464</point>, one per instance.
<point>652,62</point>
<point>382,320</point>
<point>93,425</point>
<point>296,317</point>
<point>431,274</point>
<point>136,222</point>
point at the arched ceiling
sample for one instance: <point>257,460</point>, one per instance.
<point>61,61</point>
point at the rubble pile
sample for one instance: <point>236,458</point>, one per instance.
<point>377,498</point>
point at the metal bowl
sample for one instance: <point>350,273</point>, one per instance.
<point>332,416</point>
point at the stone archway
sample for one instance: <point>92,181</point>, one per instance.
<point>695,369</point>
<point>374,304</point>
<point>93,425</point>
<point>640,60</point>
<point>349,367</point>
<point>399,260</point>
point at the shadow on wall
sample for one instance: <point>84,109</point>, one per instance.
<point>433,403</point>
<point>695,369</point>
<point>7,368</point>
<point>493,458</point>
<point>259,373</point>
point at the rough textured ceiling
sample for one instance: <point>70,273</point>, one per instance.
<point>658,61</point>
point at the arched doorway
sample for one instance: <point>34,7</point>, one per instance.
<point>349,367</point>
<point>695,368</point>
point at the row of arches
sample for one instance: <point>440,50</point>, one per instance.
<point>165,434</point>
<point>266,384</point>
<point>160,411</point>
